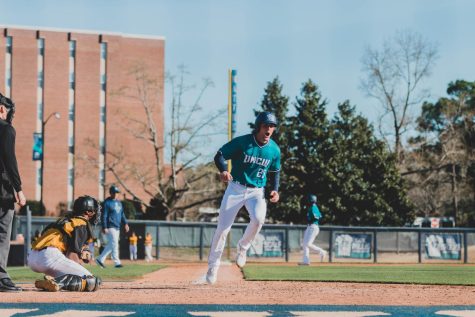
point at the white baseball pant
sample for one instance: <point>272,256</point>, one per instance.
<point>235,197</point>
<point>309,236</point>
<point>53,262</point>
<point>111,246</point>
<point>148,253</point>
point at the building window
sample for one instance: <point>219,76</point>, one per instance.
<point>72,80</point>
<point>103,114</point>
<point>40,79</point>
<point>8,66</point>
<point>103,50</point>
<point>41,47</point>
<point>40,110</point>
<point>71,177</point>
<point>72,49</point>
<point>71,118</point>
<point>9,44</point>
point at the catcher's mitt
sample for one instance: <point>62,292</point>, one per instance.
<point>85,254</point>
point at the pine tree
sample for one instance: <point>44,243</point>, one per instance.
<point>308,143</point>
<point>364,185</point>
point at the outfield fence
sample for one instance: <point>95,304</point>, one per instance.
<point>190,241</point>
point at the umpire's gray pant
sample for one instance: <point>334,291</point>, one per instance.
<point>6,218</point>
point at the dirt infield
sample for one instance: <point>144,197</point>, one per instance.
<point>174,285</point>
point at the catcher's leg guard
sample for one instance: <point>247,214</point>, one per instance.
<point>47,284</point>
<point>92,283</point>
<point>77,283</point>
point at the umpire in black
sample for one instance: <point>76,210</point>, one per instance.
<point>10,188</point>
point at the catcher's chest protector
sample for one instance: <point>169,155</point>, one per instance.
<point>65,227</point>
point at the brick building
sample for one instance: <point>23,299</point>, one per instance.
<point>81,75</point>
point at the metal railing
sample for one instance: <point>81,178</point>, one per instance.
<point>26,223</point>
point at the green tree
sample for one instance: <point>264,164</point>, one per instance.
<point>308,144</point>
<point>444,150</point>
<point>364,186</point>
<point>275,102</point>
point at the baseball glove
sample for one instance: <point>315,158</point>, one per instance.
<point>85,254</point>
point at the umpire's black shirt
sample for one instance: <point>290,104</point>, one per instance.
<point>10,178</point>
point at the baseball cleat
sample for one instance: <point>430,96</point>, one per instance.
<point>304,263</point>
<point>100,264</point>
<point>212,275</point>
<point>241,256</point>
<point>322,256</point>
<point>47,284</point>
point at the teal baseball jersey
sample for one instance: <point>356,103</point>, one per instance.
<point>250,161</point>
<point>313,214</point>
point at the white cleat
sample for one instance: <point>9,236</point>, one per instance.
<point>323,256</point>
<point>241,256</point>
<point>212,275</point>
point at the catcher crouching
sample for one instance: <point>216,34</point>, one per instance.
<point>61,248</point>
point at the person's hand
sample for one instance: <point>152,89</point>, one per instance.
<point>226,176</point>
<point>274,196</point>
<point>20,198</point>
<point>126,227</point>
<point>105,231</point>
<point>85,254</point>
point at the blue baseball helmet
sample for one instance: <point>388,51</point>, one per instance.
<point>114,190</point>
<point>312,199</point>
<point>265,117</point>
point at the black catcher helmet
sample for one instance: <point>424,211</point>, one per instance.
<point>87,203</point>
<point>8,103</point>
<point>264,117</point>
<point>114,190</point>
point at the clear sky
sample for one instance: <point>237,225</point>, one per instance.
<point>294,39</point>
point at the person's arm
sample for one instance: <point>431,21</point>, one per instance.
<point>316,213</point>
<point>275,181</point>
<point>7,153</point>
<point>73,256</point>
<point>105,216</point>
<point>78,239</point>
<point>124,220</point>
<point>220,162</point>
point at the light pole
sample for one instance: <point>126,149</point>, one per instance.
<point>57,115</point>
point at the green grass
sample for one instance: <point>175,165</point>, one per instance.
<point>404,274</point>
<point>128,272</point>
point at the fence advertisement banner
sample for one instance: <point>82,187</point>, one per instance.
<point>443,246</point>
<point>268,244</point>
<point>356,246</point>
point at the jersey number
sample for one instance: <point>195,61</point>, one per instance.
<point>260,173</point>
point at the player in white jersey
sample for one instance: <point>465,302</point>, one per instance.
<point>252,156</point>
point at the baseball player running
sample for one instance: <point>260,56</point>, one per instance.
<point>313,217</point>
<point>59,250</point>
<point>252,156</point>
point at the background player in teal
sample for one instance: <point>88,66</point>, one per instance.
<point>252,156</point>
<point>313,218</point>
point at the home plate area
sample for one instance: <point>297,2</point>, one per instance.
<point>105,310</point>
